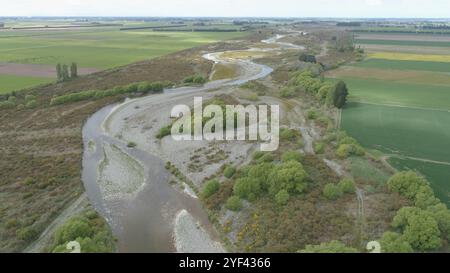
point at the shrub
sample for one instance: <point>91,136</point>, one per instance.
<point>163,132</point>
<point>319,147</point>
<point>234,203</point>
<point>267,157</point>
<point>258,154</point>
<point>247,188</point>
<point>29,98</point>
<point>392,242</point>
<point>332,191</point>
<point>292,156</point>
<point>282,197</point>
<point>331,247</point>
<point>131,144</point>
<point>288,92</point>
<point>77,227</point>
<point>210,188</point>
<point>288,134</point>
<point>311,114</point>
<point>229,171</point>
<point>289,176</point>
<point>347,186</point>
<point>7,104</point>
<point>198,79</point>
<point>27,234</point>
<point>31,104</point>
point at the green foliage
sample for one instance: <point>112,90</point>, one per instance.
<point>282,197</point>
<point>31,104</point>
<point>392,242</point>
<point>311,114</point>
<point>234,203</point>
<point>197,79</point>
<point>289,134</point>
<point>288,92</point>
<point>210,188</point>
<point>163,132</point>
<point>319,147</point>
<point>89,230</point>
<point>7,104</point>
<point>419,228</point>
<point>413,187</point>
<point>143,87</point>
<point>131,144</point>
<point>346,150</point>
<point>73,70</point>
<point>229,171</point>
<point>292,156</point>
<point>29,98</point>
<point>347,186</point>
<point>332,191</point>
<point>340,95</point>
<point>289,176</point>
<point>331,247</point>
<point>267,157</point>
<point>247,188</point>
<point>27,234</point>
<point>308,58</point>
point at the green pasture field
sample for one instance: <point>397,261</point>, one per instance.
<point>398,130</point>
<point>101,48</point>
<point>437,173</point>
<point>10,83</point>
<point>402,43</point>
<point>399,94</point>
<point>405,65</point>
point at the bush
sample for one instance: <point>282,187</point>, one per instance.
<point>131,144</point>
<point>288,92</point>
<point>77,227</point>
<point>27,234</point>
<point>289,176</point>
<point>210,188</point>
<point>282,197</point>
<point>319,147</point>
<point>347,186</point>
<point>31,104</point>
<point>29,98</point>
<point>229,171</point>
<point>332,191</point>
<point>163,132</point>
<point>392,242</point>
<point>346,150</point>
<point>7,104</point>
<point>288,134</point>
<point>267,157</point>
<point>234,203</point>
<point>331,247</point>
<point>311,114</point>
<point>292,156</point>
<point>247,188</point>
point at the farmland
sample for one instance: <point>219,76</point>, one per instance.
<point>399,102</point>
<point>93,48</point>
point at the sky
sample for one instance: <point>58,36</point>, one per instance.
<point>230,8</point>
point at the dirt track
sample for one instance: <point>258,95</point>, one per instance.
<point>37,70</point>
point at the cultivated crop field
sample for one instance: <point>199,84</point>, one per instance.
<point>400,103</point>
<point>92,48</point>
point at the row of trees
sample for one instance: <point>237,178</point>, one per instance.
<point>424,226</point>
<point>64,73</point>
<point>142,87</point>
<point>326,92</point>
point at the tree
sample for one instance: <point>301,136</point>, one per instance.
<point>392,242</point>
<point>292,156</point>
<point>73,70</point>
<point>59,72</point>
<point>65,72</point>
<point>419,228</point>
<point>340,95</point>
<point>331,247</point>
<point>289,176</point>
<point>211,188</point>
<point>247,188</point>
